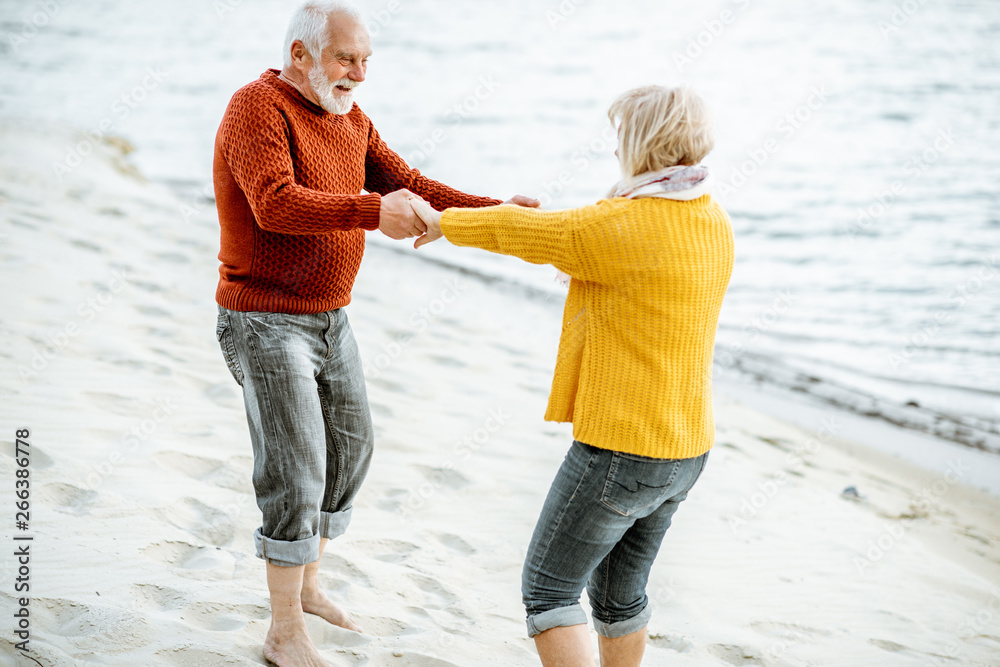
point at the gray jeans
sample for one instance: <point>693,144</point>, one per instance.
<point>601,527</point>
<point>310,426</point>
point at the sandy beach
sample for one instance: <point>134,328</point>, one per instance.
<point>142,511</point>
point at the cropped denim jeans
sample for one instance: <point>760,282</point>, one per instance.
<point>601,527</point>
<point>310,425</point>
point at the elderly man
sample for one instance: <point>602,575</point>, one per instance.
<point>292,157</point>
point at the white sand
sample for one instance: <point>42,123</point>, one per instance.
<point>142,508</point>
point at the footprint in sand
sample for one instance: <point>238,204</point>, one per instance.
<point>91,625</point>
<point>203,521</point>
<point>407,659</point>
<point>192,558</point>
<point>206,615</point>
<point>386,550</point>
<point>678,644</point>
<point>69,617</point>
<point>66,497</point>
<point>195,467</point>
<point>152,597</point>
<point>435,595</point>
<point>39,459</point>
<point>42,654</point>
<point>392,500</point>
<point>116,404</point>
<point>224,617</point>
<point>338,573</point>
<point>233,473</point>
<point>735,655</point>
<point>186,656</point>
<point>324,634</point>
<point>455,543</point>
<point>787,631</point>
<point>443,478</point>
<point>382,626</point>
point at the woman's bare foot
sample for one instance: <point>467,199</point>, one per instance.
<point>290,646</point>
<point>317,603</point>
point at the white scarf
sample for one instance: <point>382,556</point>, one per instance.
<point>680,183</point>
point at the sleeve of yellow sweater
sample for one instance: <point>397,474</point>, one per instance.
<point>539,237</point>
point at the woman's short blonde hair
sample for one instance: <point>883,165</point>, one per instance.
<point>661,127</point>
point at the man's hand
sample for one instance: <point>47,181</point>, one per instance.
<point>521,200</point>
<point>430,218</point>
<point>397,219</point>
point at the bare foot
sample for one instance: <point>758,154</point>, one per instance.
<point>318,604</point>
<point>290,646</point>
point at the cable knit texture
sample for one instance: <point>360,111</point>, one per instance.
<point>288,181</point>
<point>634,370</point>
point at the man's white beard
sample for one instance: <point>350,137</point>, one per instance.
<point>325,91</point>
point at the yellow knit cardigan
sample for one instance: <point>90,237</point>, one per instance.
<point>634,370</point>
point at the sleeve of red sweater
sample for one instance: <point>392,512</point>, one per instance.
<point>386,171</point>
<point>256,148</point>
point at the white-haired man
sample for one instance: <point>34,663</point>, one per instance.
<point>292,157</point>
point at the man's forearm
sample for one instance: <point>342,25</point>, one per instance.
<point>293,209</point>
<point>442,196</point>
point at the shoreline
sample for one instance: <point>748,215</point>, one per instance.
<point>915,447</point>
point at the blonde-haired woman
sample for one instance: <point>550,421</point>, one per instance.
<point>649,268</point>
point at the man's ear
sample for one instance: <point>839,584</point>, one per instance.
<point>300,55</point>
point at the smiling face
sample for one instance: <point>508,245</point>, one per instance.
<point>331,79</point>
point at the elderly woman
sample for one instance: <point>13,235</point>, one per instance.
<point>649,268</point>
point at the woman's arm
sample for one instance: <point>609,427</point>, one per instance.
<point>539,237</point>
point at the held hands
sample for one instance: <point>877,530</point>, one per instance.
<point>397,219</point>
<point>521,200</point>
<point>432,219</point>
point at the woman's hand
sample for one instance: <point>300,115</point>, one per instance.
<point>431,218</point>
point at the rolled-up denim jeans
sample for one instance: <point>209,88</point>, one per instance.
<point>310,425</point>
<point>601,527</point>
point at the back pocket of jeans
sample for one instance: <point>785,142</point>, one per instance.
<point>635,484</point>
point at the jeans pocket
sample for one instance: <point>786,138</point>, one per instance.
<point>224,334</point>
<point>634,485</point>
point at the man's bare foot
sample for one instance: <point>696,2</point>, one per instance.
<point>318,604</point>
<point>290,646</point>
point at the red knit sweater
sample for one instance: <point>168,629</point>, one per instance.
<point>288,180</point>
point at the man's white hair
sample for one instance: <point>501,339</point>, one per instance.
<point>309,25</point>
